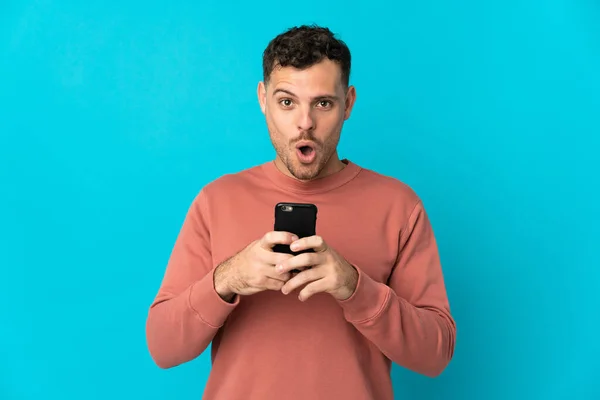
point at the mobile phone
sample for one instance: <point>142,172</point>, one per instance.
<point>297,218</point>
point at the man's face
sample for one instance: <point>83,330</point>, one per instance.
<point>305,111</point>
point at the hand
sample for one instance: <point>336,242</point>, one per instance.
<point>329,271</point>
<point>253,269</point>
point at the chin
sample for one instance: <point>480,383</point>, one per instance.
<point>305,172</point>
<point>305,175</point>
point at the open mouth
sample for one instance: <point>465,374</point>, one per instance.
<point>306,150</point>
<point>306,153</point>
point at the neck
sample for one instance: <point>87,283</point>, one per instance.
<point>334,164</point>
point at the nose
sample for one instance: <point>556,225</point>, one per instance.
<point>306,121</point>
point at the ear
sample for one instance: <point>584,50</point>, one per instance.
<point>350,99</point>
<point>261,92</point>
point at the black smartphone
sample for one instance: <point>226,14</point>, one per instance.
<point>297,218</point>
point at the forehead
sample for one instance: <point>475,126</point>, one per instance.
<point>322,77</point>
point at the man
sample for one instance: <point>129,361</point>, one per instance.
<point>374,294</point>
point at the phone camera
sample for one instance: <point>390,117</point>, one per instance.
<point>286,208</point>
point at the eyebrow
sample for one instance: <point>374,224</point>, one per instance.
<point>320,97</point>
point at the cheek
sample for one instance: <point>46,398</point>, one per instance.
<point>280,122</point>
<point>330,124</point>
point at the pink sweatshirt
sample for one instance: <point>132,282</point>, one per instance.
<point>273,346</point>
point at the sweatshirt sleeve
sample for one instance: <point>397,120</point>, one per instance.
<point>187,312</point>
<point>409,318</point>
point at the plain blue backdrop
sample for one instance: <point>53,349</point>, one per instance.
<point>113,115</point>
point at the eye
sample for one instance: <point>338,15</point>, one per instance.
<point>285,102</point>
<point>324,103</point>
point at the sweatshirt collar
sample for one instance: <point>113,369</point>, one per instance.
<point>319,185</point>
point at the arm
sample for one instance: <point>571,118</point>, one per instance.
<point>187,311</point>
<point>409,320</point>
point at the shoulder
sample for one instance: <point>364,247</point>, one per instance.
<point>400,201</point>
<point>230,184</point>
<point>234,180</point>
<point>388,187</point>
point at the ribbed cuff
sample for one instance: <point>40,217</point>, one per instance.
<point>207,303</point>
<point>368,300</point>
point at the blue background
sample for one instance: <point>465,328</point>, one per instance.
<point>114,114</point>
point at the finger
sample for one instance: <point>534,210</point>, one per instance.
<point>273,274</point>
<point>301,261</point>
<point>273,284</point>
<point>311,242</point>
<point>272,238</point>
<point>273,259</point>
<point>270,260</point>
<point>318,286</point>
<point>302,278</point>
